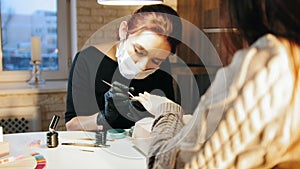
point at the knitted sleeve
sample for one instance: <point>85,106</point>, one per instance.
<point>165,128</point>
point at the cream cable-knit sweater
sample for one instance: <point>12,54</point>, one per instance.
<point>250,122</point>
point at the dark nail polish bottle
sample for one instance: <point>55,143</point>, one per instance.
<point>52,135</point>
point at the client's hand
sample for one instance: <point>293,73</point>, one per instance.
<point>152,102</point>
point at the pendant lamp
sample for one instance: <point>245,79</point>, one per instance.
<point>129,2</point>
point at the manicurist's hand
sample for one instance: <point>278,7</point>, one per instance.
<point>117,102</point>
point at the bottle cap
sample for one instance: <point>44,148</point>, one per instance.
<point>54,122</point>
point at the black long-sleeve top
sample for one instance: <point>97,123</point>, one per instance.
<point>86,90</point>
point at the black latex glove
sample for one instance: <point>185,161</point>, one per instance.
<point>109,114</point>
<point>117,102</point>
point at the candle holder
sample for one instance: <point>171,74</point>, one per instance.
<point>36,78</point>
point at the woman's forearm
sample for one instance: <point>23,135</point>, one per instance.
<point>87,123</point>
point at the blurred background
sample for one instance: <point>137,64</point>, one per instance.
<point>64,27</point>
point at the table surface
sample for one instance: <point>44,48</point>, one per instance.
<point>120,154</point>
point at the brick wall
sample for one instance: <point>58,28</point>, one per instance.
<point>91,17</point>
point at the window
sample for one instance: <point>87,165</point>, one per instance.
<point>21,20</point>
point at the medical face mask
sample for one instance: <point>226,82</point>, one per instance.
<point>144,74</point>
<point>128,68</point>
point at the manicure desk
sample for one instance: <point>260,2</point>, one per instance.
<point>120,154</point>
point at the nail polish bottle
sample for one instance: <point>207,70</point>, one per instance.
<point>100,136</point>
<point>52,135</point>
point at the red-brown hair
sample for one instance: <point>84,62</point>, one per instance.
<point>160,19</point>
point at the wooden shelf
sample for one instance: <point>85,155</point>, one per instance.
<point>195,70</point>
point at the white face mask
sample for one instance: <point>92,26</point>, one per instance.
<point>144,74</point>
<point>128,68</point>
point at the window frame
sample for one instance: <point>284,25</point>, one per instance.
<point>64,48</point>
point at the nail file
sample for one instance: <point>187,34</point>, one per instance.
<point>85,145</point>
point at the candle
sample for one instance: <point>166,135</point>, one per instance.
<point>35,49</point>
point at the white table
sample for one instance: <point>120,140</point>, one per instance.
<point>120,155</point>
